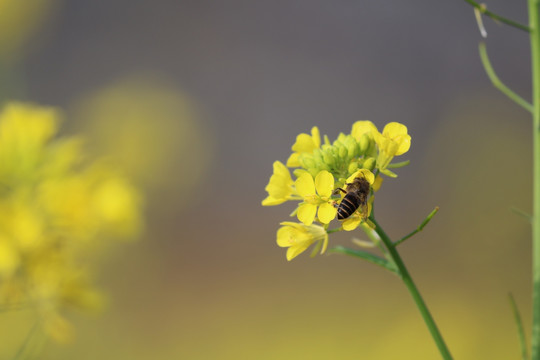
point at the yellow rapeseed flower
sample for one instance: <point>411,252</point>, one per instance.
<point>56,209</point>
<point>298,237</point>
<point>316,194</point>
<point>393,141</point>
<point>362,127</point>
<point>280,188</point>
<point>304,144</point>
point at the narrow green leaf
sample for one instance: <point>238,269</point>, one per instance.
<point>519,324</point>
<point>419,228</point>
<point>522,213</point>
<point>365,256</point>
<point>498,83</point>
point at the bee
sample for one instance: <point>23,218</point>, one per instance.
<point>356,195</point>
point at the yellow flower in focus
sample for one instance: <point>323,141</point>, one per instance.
<point>316,194</point>
<point>280,187</point>
<point>362,127</point>
<point>393,141</point>
<point>304,144</point>
<point>56,211</point>
<point>298,237</point>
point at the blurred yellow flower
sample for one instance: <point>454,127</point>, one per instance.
<point>56,209</point>
<point>304,144</point>
<point>155,130</point>
<point>18,21</point>
<point>298,237</point>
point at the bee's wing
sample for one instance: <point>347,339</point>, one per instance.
<point>364,210</point>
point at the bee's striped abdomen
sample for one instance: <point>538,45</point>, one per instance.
<point>348,205</point>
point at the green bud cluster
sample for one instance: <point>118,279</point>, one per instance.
<point>342,157</point>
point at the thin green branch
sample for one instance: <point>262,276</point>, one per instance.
<point>413,290</point>
<point>374,259</point>
<point>32,344</point>
<point>334,230</point>
<point>398,164</point>
<point>498,83</point>
<point>483,10</point>
<point>519,324</point>
<point>419,228</point>
<point>522,213</point>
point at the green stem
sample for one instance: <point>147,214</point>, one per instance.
<point>413,290</point>
<point>498,83</point>
<point>534,25</point>
<point>494,16</point>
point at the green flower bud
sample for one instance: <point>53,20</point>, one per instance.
<point>353,166</point>
<point>307,162</point>
<point>364,143</point>
<point>352,147</point>
<point>369,164</point>
<point>328,159</point>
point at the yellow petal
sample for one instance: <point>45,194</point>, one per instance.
<point>305,185</point>
<point>284,236</point>
<point>377,183</point>
<point>280,169</point>
<point>360,128</point>
<point>306,213</point>
<point>293,160</point>
<point>325,244</point>
<point>351,223</point>
<point>404,142</point>
<point>394,129</point>
<point>324,183</point>
<point>271,201</point>
<point>327,212</point>
<point>304,143</point>
<point>316,137</point>
<point>365,173</point>
<point>294,251</point>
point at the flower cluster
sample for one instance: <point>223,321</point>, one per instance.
<point>55,210</point>
<point>325,173</point>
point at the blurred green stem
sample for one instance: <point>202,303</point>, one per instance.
<point>413,290</point>
<point>534,8</point>
<point>483,10</point>
<point>519,325</point>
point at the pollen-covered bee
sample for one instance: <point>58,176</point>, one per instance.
<point>356,195</point>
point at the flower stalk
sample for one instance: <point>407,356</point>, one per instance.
<point>534,25</point>
<point>413,290</point>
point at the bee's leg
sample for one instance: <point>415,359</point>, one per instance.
<point>338,190</point>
